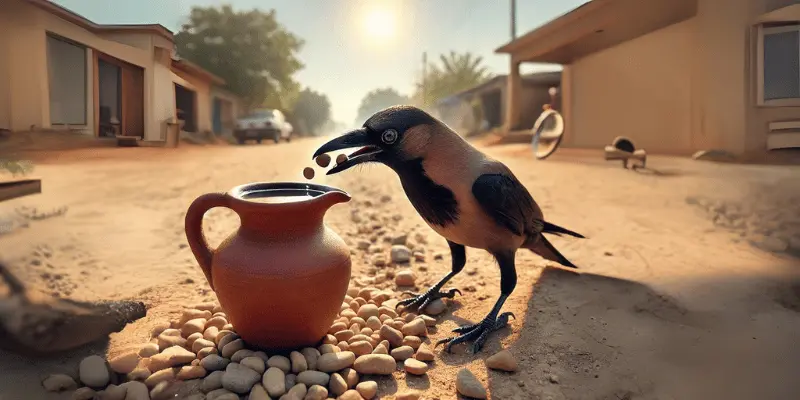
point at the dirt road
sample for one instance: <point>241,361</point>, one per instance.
<point>687,287</point>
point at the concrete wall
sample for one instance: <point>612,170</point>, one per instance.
<point>639,89</point>
<point>5,81</point>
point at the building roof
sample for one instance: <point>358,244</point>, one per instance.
<point>196,70</point>
<point>594,26</point>
<point>545,78</point>
<point>85,23</point>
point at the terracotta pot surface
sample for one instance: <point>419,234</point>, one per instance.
<point>283,275</point>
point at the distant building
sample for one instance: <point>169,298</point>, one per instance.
<point>675,76</point>
<point>59,70</point>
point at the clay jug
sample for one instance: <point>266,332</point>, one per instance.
<point>283,275</point>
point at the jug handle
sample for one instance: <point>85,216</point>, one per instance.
<point>194,230</point>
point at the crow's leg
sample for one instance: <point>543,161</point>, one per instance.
<point>419,301</point>
<point>494,320</point>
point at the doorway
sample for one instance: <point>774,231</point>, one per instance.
<point>119,97</point>
<point>217,115</point>
<point>185,104</point>
<point>109,81</point>
<point>492,108</point>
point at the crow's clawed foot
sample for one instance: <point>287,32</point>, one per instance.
<point>418,302</point>
<point>478,332</point>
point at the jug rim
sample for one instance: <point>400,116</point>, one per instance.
<point>241,192</point>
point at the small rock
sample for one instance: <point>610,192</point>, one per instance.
<point>419,256</point>
<point>438,256</point>
<point>363,244</point>
<point>113,392</point>
<point>435,307</point>
<point>399,239</point>
<point>378,260</point>
<point>191,372</point>
<point>311,378</point>
<point>386,198</point>
<point>298,362</point>
<point>312,355</point>
<point>367,389</point>
<point>148,350</point>
<point>160,376</point>
<point>170,357</point>
<point>402,353</point>
<point>281,362</point>
<point>368,310</point>
<point>297,391</point>
<point>239,379</point>
<point>201,344</point>
<point>415,328</point>
<point>93,372</point>
<point>415,367</point>
<point>503,361</point>
<point>212,382</point>
<point>380,349</point>
<point>409,395</point>
<point>469,386</point>
<point>241,355</point>
<point>424,353</point>
<point>291,380</point>
<point>394,336</point>
<point>193,326</point>
<point>206,352</point>
<point>135,390</point>
<point>404,278</point>
<point>400,254</point>
<point>553,378</point>
<point>254,363</point>
<point>231,348</point>
<point>274,381</point>
<point>350,395</point>
<point>221,394</point>
<point>375,364</point>
<point>59,382</point>
<point>316,392</point>
<point>213,362</point>
<point>429,321</point>
<point>84,393</point>
<point>258,393</point>
<point>337,385</point>
<point>332,362</point>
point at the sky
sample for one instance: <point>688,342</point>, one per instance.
<point>355,46</point>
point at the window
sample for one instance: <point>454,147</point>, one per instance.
<point>66,62</point>
<point>780,65</point>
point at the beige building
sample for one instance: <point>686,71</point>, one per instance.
<point>675,76</point>
<point>60,71</point>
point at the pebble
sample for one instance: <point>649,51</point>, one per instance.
<point>368,310</point>
<point>553,378</point>
<point>241,355</point>
<point>363,244</point>
<point>438,256</point>
<point>191,338</point>
<point>415,328</point>
<point>193,326</point>
<point>135,390</point>
<point>274,381</point>
<point>212,382</point>
<point>281,362</point>
<point>231,348</point>
<point>311,378</point>
<point>84,393</point>
<point>213,362</point>
<point>203,353</point>
<point>400,254</point>
<point>378,260</point>
<point>337,385</point>
<point>312,355</point>
<point>125,363</point>
<point>412,341</point>
<point>158,328</point>
<point>399,239</point>
<point>166,341</point>
<point>332,362</point>
<point>191,372</point>
<point>316,392</point>
<point>403,352</point>
<point>140,373</point>
<point>308,173</point>
<point>392,335</point>
<point>216,322</point>
<point>297,391</point>
<point>404,278</point>
<point>424,353</point>
<point>435,307</point>
<point>113,392</point>
<point>160,376</point>
<point>468,385</point>
<point>419,256</point>
<point>409,395</point>
<point>361,348</point>
<point>258,393</point>
<point>503,361</point>
<point>59,382</point>
<point>299,363</point>
<point>93,371</point>
<point>367,389</point>
<point>291,380</point>
<point>323,161</point>
<point>254,363</point>
<point>341,158</point>
<point>201,344</point>
<point>221,394</point>
<point>375,364</point>
<point>239,378</point>
<point>148,350</point>
<point>429,321</point>
<point>170,357</point>
<point>350,395</point>
<point>415,367</point>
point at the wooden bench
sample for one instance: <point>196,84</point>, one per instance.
<point>19,188</point>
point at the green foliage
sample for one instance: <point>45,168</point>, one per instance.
<point>453,73</point>
<point>311,111</point>
<point>254,53</point>
<point>16,167</point>
<point>377,100</point>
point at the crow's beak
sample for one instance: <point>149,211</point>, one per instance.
<point>356,138</point>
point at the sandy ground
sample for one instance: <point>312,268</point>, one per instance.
<point>688,288</point>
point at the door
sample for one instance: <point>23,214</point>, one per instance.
<point>216,113</point>
<point>133,101</point>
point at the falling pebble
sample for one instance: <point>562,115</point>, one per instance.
<point>308,172</point>
<point>341,158</point>
<point>323,161</point>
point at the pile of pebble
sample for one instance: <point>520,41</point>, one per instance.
<point>200,356</point>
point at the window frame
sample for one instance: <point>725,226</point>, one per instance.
<point>792,26</point>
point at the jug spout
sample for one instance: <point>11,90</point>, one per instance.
<point>332,198</point>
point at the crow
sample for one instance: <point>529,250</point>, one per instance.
<point>462,194</point>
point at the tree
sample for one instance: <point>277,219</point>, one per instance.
<point>454,72</point>
<point>311,111</point>
<point>251,51</point>
<point>377,100</point>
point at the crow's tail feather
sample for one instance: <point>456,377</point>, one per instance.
<point>557,230</point>
<point>546,250</point>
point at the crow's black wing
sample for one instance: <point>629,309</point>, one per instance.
<point>508,202</point>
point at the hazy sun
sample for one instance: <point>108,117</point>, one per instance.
<point>379,24</point>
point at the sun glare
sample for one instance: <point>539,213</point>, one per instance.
<point>379,24</point>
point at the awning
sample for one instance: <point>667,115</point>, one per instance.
<point>785,14</point>
<point>183,82</point>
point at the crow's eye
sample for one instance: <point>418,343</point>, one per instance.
<point>389,136</point>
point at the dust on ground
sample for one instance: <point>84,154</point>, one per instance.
<point>685,288</point>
